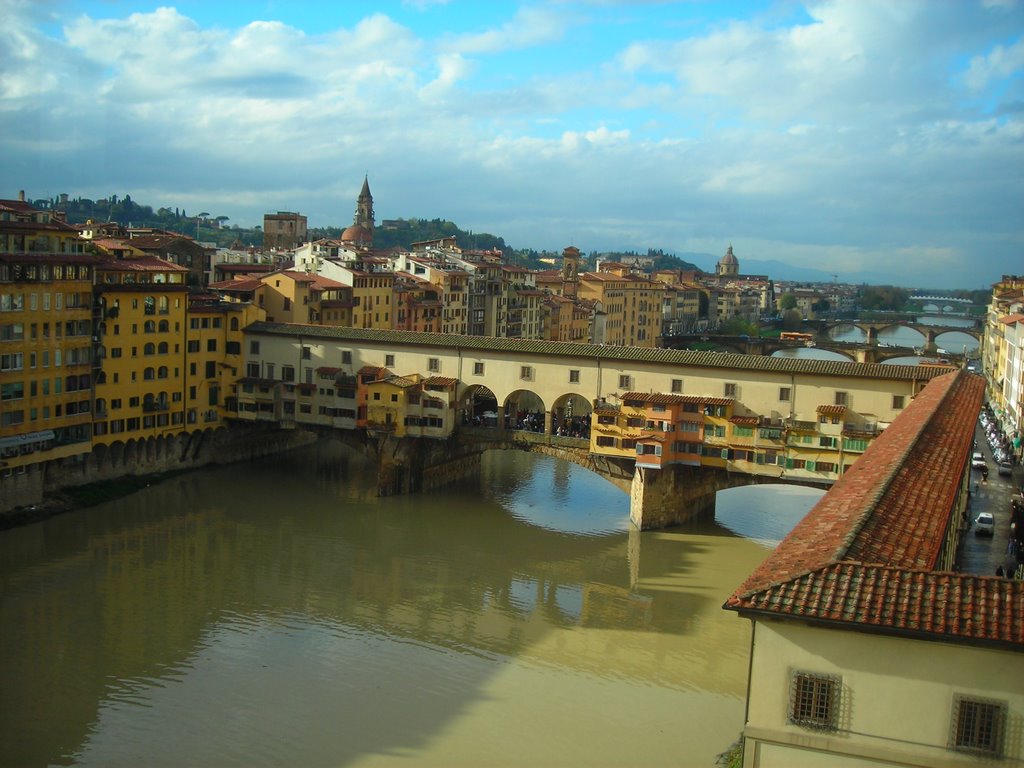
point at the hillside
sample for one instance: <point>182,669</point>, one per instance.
<point>396,233</point>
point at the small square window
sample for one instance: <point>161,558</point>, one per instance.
<point>434,364</point>
<point>526,373</point>
<point>677,386</point>
<point>729,389</point>
<point>346,357</point>
<point>478,369</point>
<point>814,700</point>
<point>625,381</point>
<point>784,393</point>
<point>978,725</point>
<point>897,402</point>
<point>574,376</point>
<point>389,361</point>
<point>841,398</point>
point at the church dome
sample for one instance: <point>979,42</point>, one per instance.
<point>357,234</point>
<point>728,265</point>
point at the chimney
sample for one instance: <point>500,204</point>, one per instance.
<point>21,195</point>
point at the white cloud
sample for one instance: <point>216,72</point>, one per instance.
<point>529,27</point>
<point>858,133</point>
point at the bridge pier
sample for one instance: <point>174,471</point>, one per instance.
<point>676,494</point>
<point>409,464</point>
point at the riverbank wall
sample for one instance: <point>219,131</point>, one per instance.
<point>48,488</point>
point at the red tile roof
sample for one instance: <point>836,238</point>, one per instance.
<point>832,410</point>
<point>865,555</point>
<point>665,399</point>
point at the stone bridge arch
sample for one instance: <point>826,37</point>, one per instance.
<point>476,404</point>
<point>524,409</point>
<point>570,416</point>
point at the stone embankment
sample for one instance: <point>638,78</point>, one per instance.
<point>53,487</point>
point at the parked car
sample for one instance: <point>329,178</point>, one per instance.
<point>978,461</point>
<point>1005,468</point>
<point>984,524</point>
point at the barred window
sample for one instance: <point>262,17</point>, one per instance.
<point>625,381</point>
<point>978,725</point>
<point>677,385</point>
<point>478,369</point>
<point>814,700</point>
<point>729,389</point>
<point>526,373</point>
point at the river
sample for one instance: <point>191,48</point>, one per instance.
<point>278,613</point>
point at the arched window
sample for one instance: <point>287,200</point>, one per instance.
<point>149,327</point>
<point>161,372</point>
<point>149,348</point>
<point>164,326</point>
<point>149,305</point>
<point>234,323</point>
<point>148,374</point>
<point>162,348</point>
<point>163,305</point>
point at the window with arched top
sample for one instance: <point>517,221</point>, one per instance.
<point>164,326</point>
<point>149,305</point>
<point>149,327</point>
<point>234,323</point>
<point>149,349</point>
<point>161,372</point>
<point>149,374</point>
<point>163,305</point>
<point>162,348</point>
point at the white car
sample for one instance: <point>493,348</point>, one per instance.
<point>978,461</point>
<point>984,524</point>
<point>1005,468</point>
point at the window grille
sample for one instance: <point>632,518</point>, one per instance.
<point>978,725</point>
<point>814,700</point>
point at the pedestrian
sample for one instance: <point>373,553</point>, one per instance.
<point>984,474</point>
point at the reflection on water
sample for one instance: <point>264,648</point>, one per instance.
<point>280,614</point>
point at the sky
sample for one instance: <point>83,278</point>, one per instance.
<point>878,142</point>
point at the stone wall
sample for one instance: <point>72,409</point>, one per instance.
<point>21,494</point>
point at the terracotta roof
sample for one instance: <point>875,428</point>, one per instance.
<point>746,421</point>
<point>666,399</point>
<point>140,264</point>
<point>831,410</point>
<point>440,381</point>
<point>865,555</point>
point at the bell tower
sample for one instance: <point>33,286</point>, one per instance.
<point>364,207</point>
<point>570,271</point>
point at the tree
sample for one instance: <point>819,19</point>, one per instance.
<point>787,301</point>
<point>791,320</point>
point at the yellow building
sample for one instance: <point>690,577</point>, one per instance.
<point>411,406</point>
<point>288,296</point>
<point>372,299</point>
<point>46,358</point>
<point>215,358</point>
<point>631,305</point>
<point>142,354</point>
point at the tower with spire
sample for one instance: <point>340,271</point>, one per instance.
<point>361,231</point>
